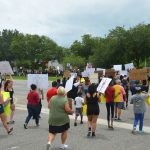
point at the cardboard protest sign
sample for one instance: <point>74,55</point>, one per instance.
<point>138,74</point>
<point>94,78</point>
<point>5,68</point>
<point>103,85</point>
<point>117,67</point>
<point>110,73</point>
<point>40,80</point>
<point>67,73</point>
<point>129,66</point>
<point>69,84</point>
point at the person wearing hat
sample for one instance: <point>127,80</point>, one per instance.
<point>58,117</point>
<point>139,108</point>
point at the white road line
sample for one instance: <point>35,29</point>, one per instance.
<point>99,121</point>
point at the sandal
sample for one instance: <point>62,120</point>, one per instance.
<point>10,130</point>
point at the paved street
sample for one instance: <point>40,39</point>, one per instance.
<point>36,138</point>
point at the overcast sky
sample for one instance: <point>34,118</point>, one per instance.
<point>67,20</point>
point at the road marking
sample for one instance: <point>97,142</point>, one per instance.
<point>99,121</point>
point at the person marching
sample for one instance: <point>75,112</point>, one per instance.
<point>58,118</point>
<point>33,100</point>
<point>120,97</point>
<point>2,114</point>
<point>8,87</point>
<point>139,108</point>
<point>92,101</point>
<point>110,94</point>
<point>78,108</point>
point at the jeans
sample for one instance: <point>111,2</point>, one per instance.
<point>138,117</point>
<point>33,111</point>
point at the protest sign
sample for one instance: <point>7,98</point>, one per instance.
<point>69,84</point>
<point>40,80</point>
<point>124,72</point>
<point>5,68</point>
<point>138,74</point>
<point>85,74</point>
<point>90,70</point>
<point>129,66</point>
<point>117,67</point>
<point>103,85</point>
<point>94,78</point>
<point>73,74</point>
<point>110,73</point>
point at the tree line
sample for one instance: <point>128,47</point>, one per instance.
<point>120,46</point>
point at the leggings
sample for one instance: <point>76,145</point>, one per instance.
<point>110,108</point>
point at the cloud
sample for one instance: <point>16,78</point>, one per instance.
<point>67,20</point>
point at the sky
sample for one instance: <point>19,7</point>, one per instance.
<point>65,21</point>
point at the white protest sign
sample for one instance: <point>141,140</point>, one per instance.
<point>69,84</point>
<point>101,69</point>
<point>74,74</point>
<point>129,66</point>
<point>117,67</point>
<point>103,85</point>
<point>94,78</point>
<point>5,68</point>
<point>124,72</point>
<point>90,70</point>
<point>84,74</point>
<point>40,80</point>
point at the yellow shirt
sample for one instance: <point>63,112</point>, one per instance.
<point>119,92</point>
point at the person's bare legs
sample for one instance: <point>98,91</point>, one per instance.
<point>119,113</point>
<point>51,137</point>
<point>89,125</point>
<point>4,122</point>
<point>94,124</point>
<point>12,112</point>
<point>64,136</point>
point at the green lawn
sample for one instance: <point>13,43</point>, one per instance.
<point>25,78</point>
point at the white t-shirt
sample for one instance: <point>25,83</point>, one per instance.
<point>79,101</point>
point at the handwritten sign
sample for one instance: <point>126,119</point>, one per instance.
<point>103,85</point>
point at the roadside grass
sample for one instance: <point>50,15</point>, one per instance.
<point>51,78</point>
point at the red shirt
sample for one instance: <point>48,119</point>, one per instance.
<point>109,94</point>
<point>51,92</point>
<point>33,98</point>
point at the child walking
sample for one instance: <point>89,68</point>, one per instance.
<point>78,108</point>
<point>139,108</point>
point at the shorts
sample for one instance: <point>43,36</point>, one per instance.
<point>58,129</point>
<point>78,111</point>
<point>120,105</point>
<point>1,109</point>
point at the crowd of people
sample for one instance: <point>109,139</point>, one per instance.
<point>83,93</point>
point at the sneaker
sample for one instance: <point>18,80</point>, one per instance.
<point>115,118</point>
<point>63,146</point>
<point>25,126</point>
<point>75,124</point>
<point>93,134</point>
<point>48,147</point>
<point>89,134</point>
<point>134,131</point>
<point>81,122</point>
<point>10,130</point>
<point>119,119</point>
<point>37,125</point>
<point>141,131</point>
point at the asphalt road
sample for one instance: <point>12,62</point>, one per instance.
<point>36,138</point>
